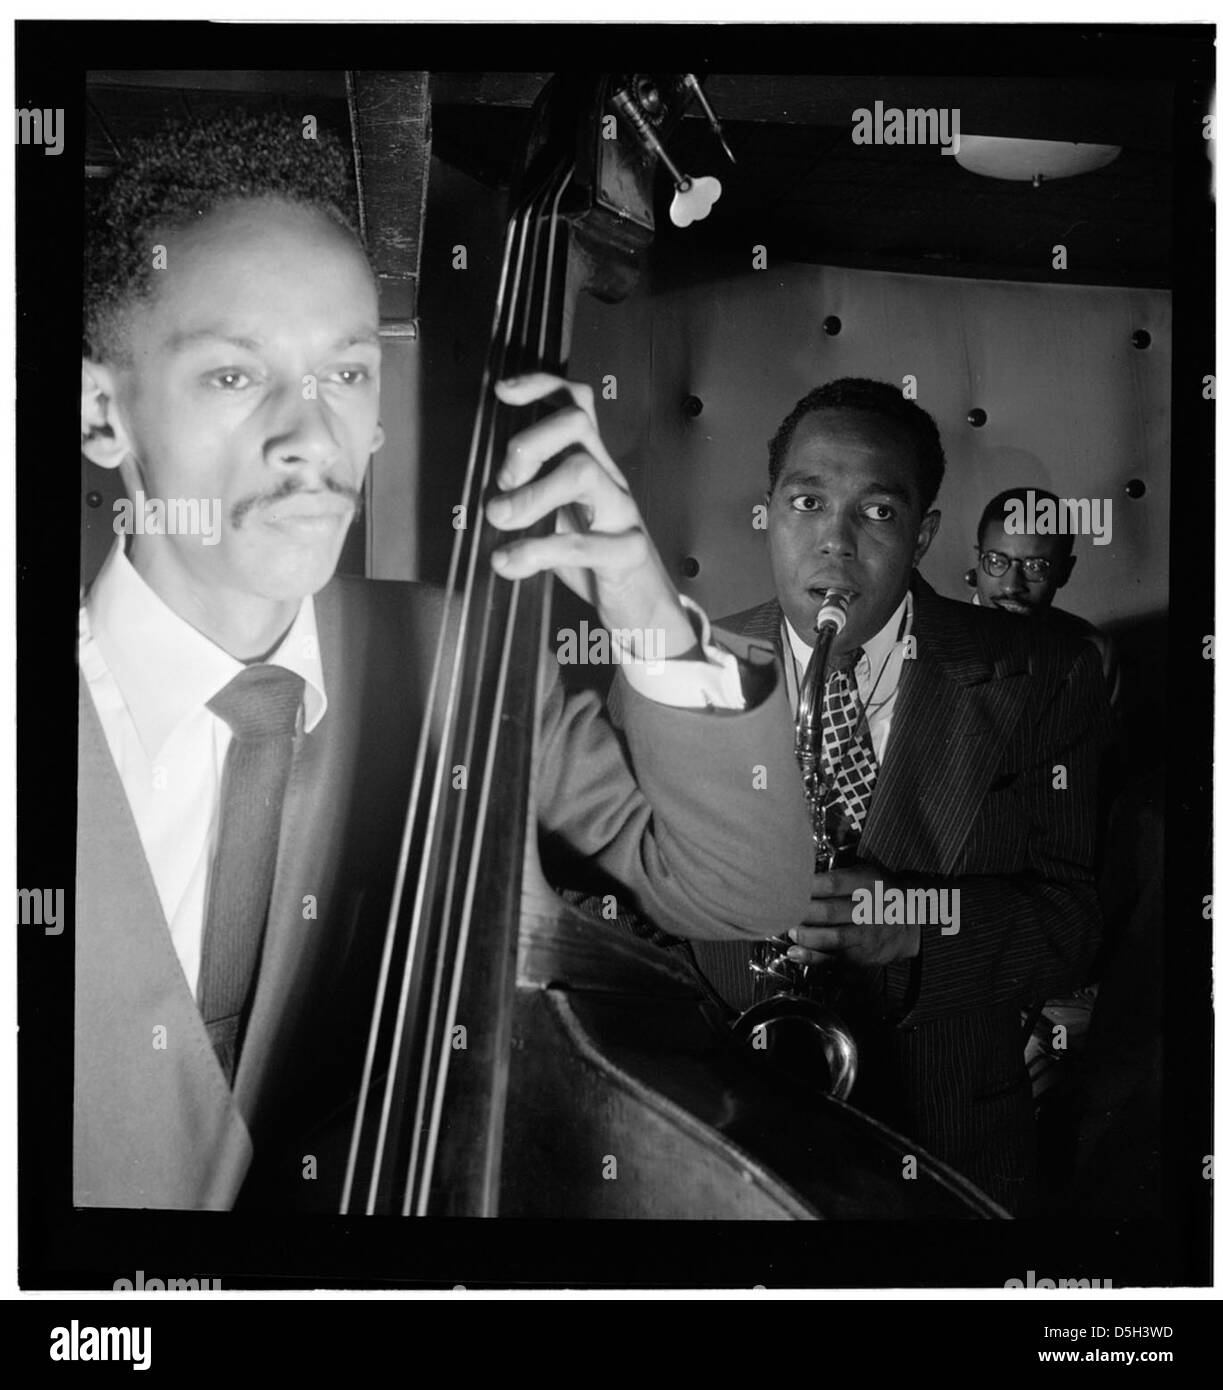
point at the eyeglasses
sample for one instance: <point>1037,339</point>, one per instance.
<point>1035,567</point>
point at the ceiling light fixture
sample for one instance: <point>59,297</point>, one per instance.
<point>1031,161</point>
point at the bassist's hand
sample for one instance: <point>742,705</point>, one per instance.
<point>600,548</point>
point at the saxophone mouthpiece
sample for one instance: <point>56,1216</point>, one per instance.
<point>834,610</point>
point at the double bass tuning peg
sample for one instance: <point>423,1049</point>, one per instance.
<point>716,125</point>
<point>693,196</point>
<point>693,199</point>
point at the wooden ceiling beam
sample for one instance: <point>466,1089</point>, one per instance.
<point>1135,114</point>
<point>269,82</point>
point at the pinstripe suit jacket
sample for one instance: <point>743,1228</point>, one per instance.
<point>969,796</point>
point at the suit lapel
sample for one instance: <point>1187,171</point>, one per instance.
<point>762,623</point>
<point>954,711</point>
<point>154,1122</point>
<point>302,924</point>
<point>954,708</point>
<point>339,842</point>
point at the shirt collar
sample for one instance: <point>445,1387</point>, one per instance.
<point>165,669</point>
<point>874,652</point>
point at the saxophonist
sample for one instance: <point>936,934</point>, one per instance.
<point>959,760</point>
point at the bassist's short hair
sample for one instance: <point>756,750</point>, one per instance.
<point>171,179</point>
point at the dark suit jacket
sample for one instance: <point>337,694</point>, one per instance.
<point>664,810</point>
<point>969,797</point>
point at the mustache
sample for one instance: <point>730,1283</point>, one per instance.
<point>293,487</point>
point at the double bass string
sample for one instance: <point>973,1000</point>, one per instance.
<point>430,1088</point>
<point>440,920</point>
<point>410,837</point>
<point>423,948</point>
<point>414,1192</point>
<point>496,355</point>
<point>431,1131</point>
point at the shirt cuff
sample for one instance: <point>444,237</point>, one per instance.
<point>710,680</point>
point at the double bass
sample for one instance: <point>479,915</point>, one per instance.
<point>593,1079</point>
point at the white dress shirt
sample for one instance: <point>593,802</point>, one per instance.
<point>150,675</point>
<point>877,671</point>
<point>712,682</point>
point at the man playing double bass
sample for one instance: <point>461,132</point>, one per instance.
<point>249,720</point>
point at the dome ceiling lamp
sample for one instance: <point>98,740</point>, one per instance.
<point>1031,161</point>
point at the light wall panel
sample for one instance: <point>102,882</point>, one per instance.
<point>1071,405</point>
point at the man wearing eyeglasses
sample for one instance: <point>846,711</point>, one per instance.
<point>1022,573</point>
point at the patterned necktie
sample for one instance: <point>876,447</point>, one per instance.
<point>848,757</point>
<point>260,705</point>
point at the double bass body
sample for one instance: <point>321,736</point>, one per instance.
<point>629,1097</point>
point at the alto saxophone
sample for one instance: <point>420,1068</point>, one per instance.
<point>785,990</point>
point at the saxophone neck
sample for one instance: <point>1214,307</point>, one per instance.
<point>810,698</point>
